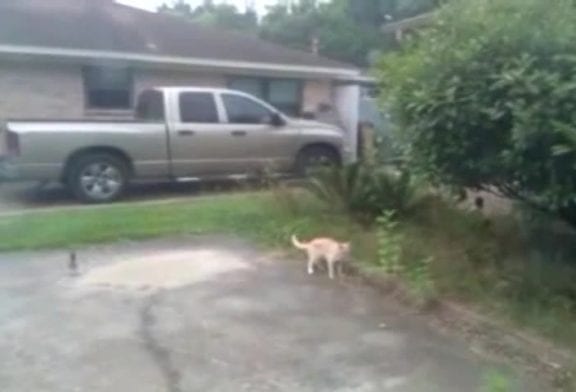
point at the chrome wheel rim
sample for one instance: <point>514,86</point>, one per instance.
<point>101,181</point>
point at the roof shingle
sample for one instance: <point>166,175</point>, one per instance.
<point>106,26</point>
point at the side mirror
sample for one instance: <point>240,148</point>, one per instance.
<point>277,120</point>
<point>309,116</point>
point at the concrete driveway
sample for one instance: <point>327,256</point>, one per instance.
<point>211,314</point>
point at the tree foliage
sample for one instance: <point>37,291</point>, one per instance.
<point>219,15</point>
<point>347,30</point>
<point>486,98</point>
<point>299,27</point>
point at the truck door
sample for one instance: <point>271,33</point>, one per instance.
<point>265,145</point>
<point>200,144</point>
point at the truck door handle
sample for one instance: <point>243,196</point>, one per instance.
<point>239,133</point>
<point>186,132</point>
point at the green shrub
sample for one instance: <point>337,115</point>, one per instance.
<point>496,382</point>
<point>486,99</point>
<point>389,244</point>
<point>418,275</point>
<point>364,192</point>
<point>397,262</point>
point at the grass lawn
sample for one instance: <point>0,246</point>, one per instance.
<point>253,215</point>
<point>499,265</point>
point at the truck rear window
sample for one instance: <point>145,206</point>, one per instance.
<point>150,106</point>
<point>198,108</point>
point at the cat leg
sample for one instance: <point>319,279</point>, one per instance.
<point>311,263</point>
<point>340,269</point>
<point>330,263</point>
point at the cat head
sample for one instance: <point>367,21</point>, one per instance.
<point>345,246</point>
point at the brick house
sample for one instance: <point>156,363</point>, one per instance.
<point>90,58</point>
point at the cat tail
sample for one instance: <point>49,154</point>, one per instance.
<point>297,243</point>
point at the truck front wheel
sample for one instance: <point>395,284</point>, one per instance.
<point>98,177</point>
<point>314,157</point>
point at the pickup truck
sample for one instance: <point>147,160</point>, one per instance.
<point>177,134</point>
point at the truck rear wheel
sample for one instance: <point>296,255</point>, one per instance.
<point>98,177</point>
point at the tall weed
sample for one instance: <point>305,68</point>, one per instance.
<point>392,257</point>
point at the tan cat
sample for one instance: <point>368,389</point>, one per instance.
<point>319,249</point>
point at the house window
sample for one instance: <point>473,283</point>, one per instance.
<point>283,94</point>
<point>108,88</point>
<point>198,108</point>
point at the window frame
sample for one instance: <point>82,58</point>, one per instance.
<point>88,106</point>
<point>265,83</point>
<point>265,105</point>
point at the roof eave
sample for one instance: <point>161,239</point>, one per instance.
<point>186,62</point>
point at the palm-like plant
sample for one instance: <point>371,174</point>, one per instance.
<point>365,192</point>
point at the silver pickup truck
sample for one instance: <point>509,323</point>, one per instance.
<point>177,134</point>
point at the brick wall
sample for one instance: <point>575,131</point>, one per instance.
<point>316,92</point>
<point>40,91</point>
<point>44,91</point>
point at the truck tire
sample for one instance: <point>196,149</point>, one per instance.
<point>315,157</point>
<point>98,177</point>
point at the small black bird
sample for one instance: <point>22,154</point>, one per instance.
<point>73,264</point>
<point>479,202</point>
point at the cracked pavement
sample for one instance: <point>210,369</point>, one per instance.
<point>259,325</point>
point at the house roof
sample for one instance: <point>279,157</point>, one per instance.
<point>104,26</point>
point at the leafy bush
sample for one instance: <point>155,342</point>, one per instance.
<point>389,244</point>
<point>364,192</point>
<point>486,99</point>
<point>528,278</point>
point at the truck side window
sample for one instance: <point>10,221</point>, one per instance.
<point>242,110</point>
<point>198,108</point>
<point>150,106</point>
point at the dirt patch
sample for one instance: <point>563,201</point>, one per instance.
<point>164,270</point>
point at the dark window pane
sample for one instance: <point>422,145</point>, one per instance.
<point>198,108</point>
<point>109,99</point>
<point>242,110</point>
<point>250,86</point>
<point>108,87</point>
<point>290,109</point>
<point>150,106</point>
<point>283,94</point>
